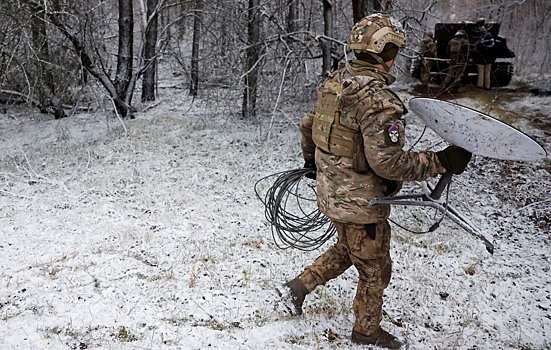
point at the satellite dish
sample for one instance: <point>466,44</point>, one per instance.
<point>475,131</point>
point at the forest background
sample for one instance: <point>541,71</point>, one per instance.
<point>68,56</point>
<point>132,133</point>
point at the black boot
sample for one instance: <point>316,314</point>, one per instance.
<point>292,295</point>
<point>380,338</point>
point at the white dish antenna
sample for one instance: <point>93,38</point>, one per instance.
<point>475,131</point>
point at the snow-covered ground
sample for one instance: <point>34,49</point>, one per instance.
<point>150,236</point>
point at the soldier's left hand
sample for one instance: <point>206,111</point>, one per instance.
<point>454,159</point>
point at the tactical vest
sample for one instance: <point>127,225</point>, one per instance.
<point>327,132</point>
<point>457,45</point>
<point>428,48</point>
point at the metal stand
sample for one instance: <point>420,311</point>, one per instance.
<point>432,199</point>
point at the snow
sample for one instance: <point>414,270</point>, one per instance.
<point>150,236</point>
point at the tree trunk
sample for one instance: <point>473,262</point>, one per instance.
<point>292,16</point>
<point>125,52</point>
<point>46,92</point>
<point>253,56</point>
<point>194,81</point>
<point>328,32</point>
<point>148,82</point>
<point>362,8</point>
<point>40,47</point>
<point>120,97</point>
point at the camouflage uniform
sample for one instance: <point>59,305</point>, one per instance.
<point>367,105</point>
<point>428,50</point>
<point>458,51</point>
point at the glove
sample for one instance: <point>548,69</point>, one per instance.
<point>454,159</point>
<point>311,164</point>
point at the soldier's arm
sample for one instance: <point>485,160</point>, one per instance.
<point>384,139</point>
<point>307,144</point>
<point>466,47</point>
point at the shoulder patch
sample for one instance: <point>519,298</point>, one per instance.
<point>394,132</point>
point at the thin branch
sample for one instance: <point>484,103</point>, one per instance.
<point>118,116</point>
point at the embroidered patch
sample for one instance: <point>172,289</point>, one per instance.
<point>394,132</point>
<point>396,26</point>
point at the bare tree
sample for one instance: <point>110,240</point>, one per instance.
<point>362,8</point>
<point>87,45</point>
<point>292,15</point>
<point>44,80</point>
<point>252,60</point>
<point>328,32</point>
<point>149,27</point>
<point>194,81</point>
<point>125,55</point>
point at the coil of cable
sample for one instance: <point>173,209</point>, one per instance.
<point>291,209</point>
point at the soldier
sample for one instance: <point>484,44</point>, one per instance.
<point>484,56</point>
<point>428,51</point>
<point>477,32</point>
<point>458,53</point>
<point>354,137</point>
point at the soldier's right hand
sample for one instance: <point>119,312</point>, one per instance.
<point>454,159</point>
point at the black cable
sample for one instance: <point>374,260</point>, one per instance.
<point>295,225</point>
<point>290,208</point>
<point>435,225</point>
<point>418,139</point>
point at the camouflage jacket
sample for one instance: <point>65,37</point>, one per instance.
<point>428,48</point>
<point>458,49</point>
<point>369,106</point>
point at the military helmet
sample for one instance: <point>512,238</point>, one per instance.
<point>481,21</point>
<point>461,32</point>
<point>373,32</point>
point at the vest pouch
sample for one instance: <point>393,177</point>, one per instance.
<point>359,161</point>
<point>321,130</point>
<point>332,137</point>
<point>454,46</point>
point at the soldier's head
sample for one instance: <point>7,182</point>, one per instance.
<point>377,38</point>
<point>461,33</point>
<point>429,34</point>
<point>480,21</point>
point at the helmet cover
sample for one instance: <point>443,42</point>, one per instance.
<point>373,32</point>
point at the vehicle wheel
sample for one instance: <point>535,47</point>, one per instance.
<point>502,73</point>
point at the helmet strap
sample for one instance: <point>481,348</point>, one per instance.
<point>380,61</point>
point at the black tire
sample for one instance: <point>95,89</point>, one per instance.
<point>502,73</point>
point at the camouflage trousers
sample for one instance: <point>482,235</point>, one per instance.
<point>455,73</point>
<point>426,67</point>
<point>371,257</point>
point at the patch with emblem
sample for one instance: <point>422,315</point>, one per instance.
<point>394,132</point>
<point>396,26</point>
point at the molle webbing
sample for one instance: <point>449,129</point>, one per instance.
<point>327,133</point>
